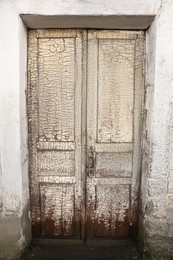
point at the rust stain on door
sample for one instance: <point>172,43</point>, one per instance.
<point>84,108</point>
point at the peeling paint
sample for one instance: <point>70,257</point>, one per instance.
<point>114,106</point>
<point>55,112</point>
<point>55,132</point>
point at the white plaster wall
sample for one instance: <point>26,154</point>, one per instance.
<point>14,190</point>
<point>12,107</point>
<point>88,7</point>
<point>157,188</point>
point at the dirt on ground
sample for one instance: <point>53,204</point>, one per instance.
<point>80,252</point>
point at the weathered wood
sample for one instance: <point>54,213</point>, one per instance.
<point>114,105</point>
<point>54,111</point>
<point>85,93</point>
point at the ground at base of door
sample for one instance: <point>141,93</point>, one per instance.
<point>80,252</point>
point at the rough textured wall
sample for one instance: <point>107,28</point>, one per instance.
<point>157,173</point>
<point>14,195</point>
<point>84,7</point>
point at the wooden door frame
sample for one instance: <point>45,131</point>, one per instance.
<point>84,129</point>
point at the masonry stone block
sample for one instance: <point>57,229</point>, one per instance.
<point>156,227</point>
<point>157,187</point>
<point>170,186</point>
<point>156,207</point>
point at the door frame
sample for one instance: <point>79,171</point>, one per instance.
<point>84,126</point>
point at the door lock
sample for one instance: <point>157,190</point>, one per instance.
<point>91,162</point>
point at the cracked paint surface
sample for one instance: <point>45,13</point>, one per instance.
<point>55,134</point>
<point>73,191</point>
<point>115,99</point>
<point>56,64</point>
<point>114,104</point>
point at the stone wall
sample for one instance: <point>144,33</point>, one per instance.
<point>156,186</point>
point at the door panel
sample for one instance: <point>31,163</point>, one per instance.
<point>54,111</point>
<point>85,92</point>
<point>114,99</point>
<point>112,208</point>
<point>112,165</point>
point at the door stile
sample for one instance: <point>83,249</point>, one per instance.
<point>33,131</point>
<point>91,131</point>
<point>78,138</point>
<point>84,130</point>
<point>137,132</point>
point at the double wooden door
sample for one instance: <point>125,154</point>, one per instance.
<point>85,92</point>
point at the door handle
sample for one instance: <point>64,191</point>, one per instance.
<point>91,162</point>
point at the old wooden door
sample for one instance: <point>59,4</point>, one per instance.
<point>54,109</point>
<point>84,110</point>
<point>114,102</point>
